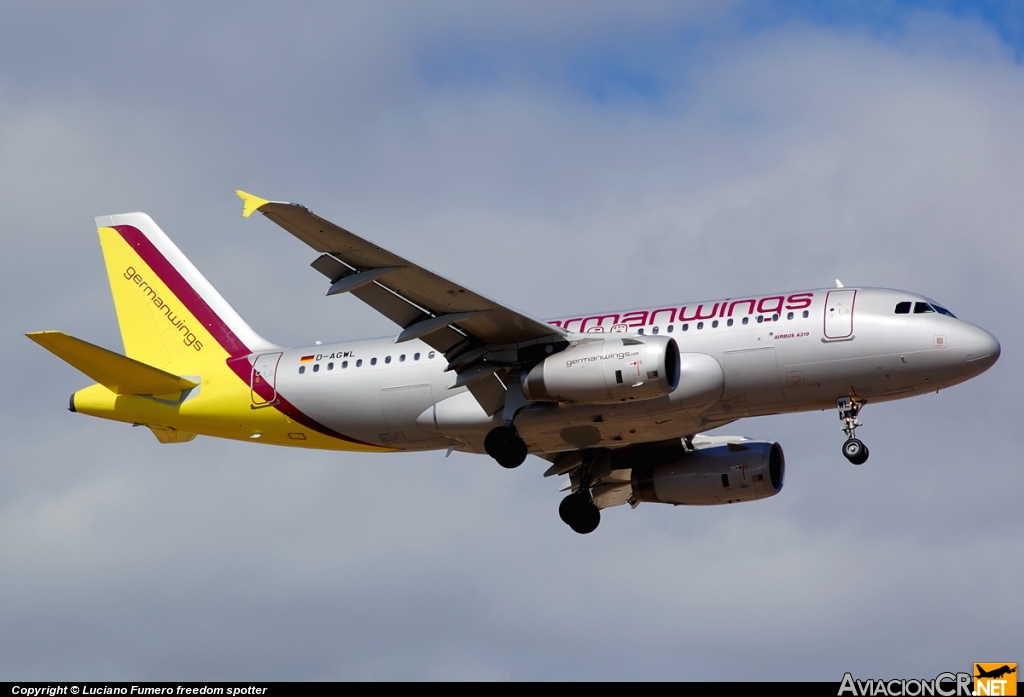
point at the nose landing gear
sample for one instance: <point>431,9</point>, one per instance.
<point>853,450</point>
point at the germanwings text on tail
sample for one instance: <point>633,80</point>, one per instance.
<point>615,401</point>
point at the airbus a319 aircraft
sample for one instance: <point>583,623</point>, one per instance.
<point>616,401</point>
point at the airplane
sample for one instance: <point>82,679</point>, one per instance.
<point>618,402</point>
<point>996,673</point>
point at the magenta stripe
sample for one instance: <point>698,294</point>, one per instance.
<point>243,369</point>
<point>238,352</point>
<point>193,302</point>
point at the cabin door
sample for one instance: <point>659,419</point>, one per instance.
<point>263,381</point>
<point>839,314</point>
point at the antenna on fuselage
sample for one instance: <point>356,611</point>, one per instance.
<point>839,284</point>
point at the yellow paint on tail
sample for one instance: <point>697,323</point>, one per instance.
<point>156,327</point>
<point>163,338</point>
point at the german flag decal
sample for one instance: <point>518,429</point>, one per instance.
<point>306,359</point>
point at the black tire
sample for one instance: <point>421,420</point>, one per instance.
<point>514,455</point>
<point>497,440</point>
<point>579,513</point>
<point>863,457</point>
<point>567,508</point>
<point>855,451</point>
<point>505,446</point>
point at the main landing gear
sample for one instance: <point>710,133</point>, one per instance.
<point>853,450</point>
<point>579,513</point>
<point>578,510</point>
<point>504,445</point>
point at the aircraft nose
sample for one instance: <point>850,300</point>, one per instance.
<point>983,349</point>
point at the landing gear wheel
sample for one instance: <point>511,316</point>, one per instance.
<point>504,445</point>
<point>579,513</point>
<point>855,451</point>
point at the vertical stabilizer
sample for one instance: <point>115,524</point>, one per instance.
<point>170,316</point>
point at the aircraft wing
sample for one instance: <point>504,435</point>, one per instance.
<point>476,334</point>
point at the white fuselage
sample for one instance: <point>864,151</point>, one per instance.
<point>756,356</point>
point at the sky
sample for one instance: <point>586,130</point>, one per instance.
<point>560,158</point>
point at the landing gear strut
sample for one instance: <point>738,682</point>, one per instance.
<point>504,445</point>
<point>578,510</point>
<point>853,450</point>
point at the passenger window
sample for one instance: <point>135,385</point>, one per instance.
<point>806,314</point>
<point>640,331</point>
<point>416,356</point>
<point>359,363</point>
<point>430,355</point>
<point>316,367</point>
<point>686,327</point>
<point>654,331</point>
<point>922,308</point>
<point>330,366</point>
<point>714,325</point>
<point>387,359</point>
<point>302,369</point>
<point>729,323</point>
<point>746,320</point>
<point>789,316</point>
<point>700,325</point>
<point>401,359</point>
<point>344,364</point>
<point>373,361</point>
<point>903,308</point>
<point>775,317</point>
<point>760,318</point>
<point>671,327</point>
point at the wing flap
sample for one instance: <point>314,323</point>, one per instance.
<point>119,374</point>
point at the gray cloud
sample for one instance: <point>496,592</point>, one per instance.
<point>779,158</point>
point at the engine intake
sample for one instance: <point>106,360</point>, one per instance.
<point>744,471</point>
<point>606,370</point>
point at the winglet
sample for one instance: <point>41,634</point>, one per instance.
<point>252,203</point>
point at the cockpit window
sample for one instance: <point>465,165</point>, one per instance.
<point>944,311</point>
<point>903,308</point>
<point>921,308</point>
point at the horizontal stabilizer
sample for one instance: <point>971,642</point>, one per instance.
<point>119,374</point>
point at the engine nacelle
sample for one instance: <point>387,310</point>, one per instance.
<point>606,370</point>
<point>744,471</point>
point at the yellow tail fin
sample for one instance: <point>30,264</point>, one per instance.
<point>170,316</point>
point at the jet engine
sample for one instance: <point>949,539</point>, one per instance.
<point>743,471</point>
<point>606,370</point>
